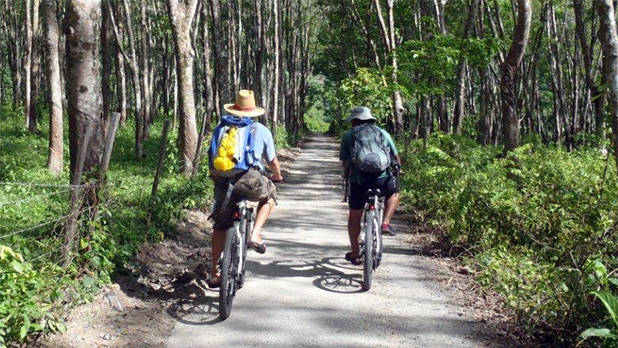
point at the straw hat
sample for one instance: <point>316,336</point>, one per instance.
<point>244,105</point>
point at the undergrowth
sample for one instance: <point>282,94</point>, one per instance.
<point>538,226</point>
<point>34,287</point>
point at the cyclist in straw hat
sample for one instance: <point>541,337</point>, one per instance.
<point>235,157</point>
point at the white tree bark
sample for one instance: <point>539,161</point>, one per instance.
<point>609,44</point>
<point>182,14</point>
<point>55,157</point>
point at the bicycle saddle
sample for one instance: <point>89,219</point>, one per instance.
<point>373,192</point>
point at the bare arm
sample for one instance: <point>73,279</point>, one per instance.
<point>275,167</point>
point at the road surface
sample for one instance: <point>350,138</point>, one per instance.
<point>302,293</point>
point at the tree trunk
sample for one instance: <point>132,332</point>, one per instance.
<point>397,100</point>
<point>259,57</point>
<point>443,116</point>
<point>383,31</point>
<point>106,60</point>
<point>208,90</point>
<point>388,35</point>
<point>121,77</point>
<point>510,119</point>
<point>35,67</point>
<point>12,24</point>
<point>82,22</point>
<point>586,51</point>
<point>133,65</point>
<point>220,53</point>
<point>121,81</point>
<point>274,110</point>
<point>144,74</point>
<point>55,156</point>
<point>460,98</point>
<point>609,44</point>
<point>28,65</point>
<point>182,14</point>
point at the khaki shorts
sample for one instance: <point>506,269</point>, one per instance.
<point>252,185</point>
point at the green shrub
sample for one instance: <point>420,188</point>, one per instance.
<point>538,223</point>
<point>26,298</point>
<point>128,217</point>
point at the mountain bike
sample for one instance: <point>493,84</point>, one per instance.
<point>371,235</point>
<point>234,256</point>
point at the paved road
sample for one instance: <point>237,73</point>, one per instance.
<point>302,292</point>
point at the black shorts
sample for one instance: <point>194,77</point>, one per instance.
<point>388,186</point>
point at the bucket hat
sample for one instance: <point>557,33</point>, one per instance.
<point>244,105</point>
<point>361,113</point>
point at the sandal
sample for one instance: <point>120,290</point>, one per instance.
<point>259,248</point>
<point>354,260</point>
<point>214,283</point>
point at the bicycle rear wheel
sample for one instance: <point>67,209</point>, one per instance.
<point>369,249</point>
<point>227,290</point>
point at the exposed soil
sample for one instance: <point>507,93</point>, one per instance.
<point>459,280</point>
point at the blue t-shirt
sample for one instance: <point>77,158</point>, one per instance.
<point>263,144</point>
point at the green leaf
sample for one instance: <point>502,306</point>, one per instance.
<point>614,281</point>
<point>603,333</point>
<point>23,331</point>
<point>17,267</point>
<point>600,269</point>
<point>611,303</point>
<point>83,243</point>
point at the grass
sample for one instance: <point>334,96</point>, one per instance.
<point>105,244</point>
<point>128,217</point>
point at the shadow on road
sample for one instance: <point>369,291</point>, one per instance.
<point>327,276</point>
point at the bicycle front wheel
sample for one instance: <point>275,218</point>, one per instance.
<point>227,290</point>
<point>368,252</point>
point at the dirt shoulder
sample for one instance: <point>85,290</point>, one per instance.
<point>457,279</point>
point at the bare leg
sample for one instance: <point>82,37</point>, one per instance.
<point>263,212</point>
<point>391,205</point>
<point>354,220</point>
<point>218,242</point>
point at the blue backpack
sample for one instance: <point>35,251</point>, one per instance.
<point>231,147</point>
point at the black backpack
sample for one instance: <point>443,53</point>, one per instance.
<point>370,150</point>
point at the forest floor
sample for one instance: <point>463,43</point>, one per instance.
<point>301,292</point>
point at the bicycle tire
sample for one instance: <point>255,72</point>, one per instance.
<point>379,241</point>
<point>369,249</point>
<point>247,226</point>
<point>227,290</point>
